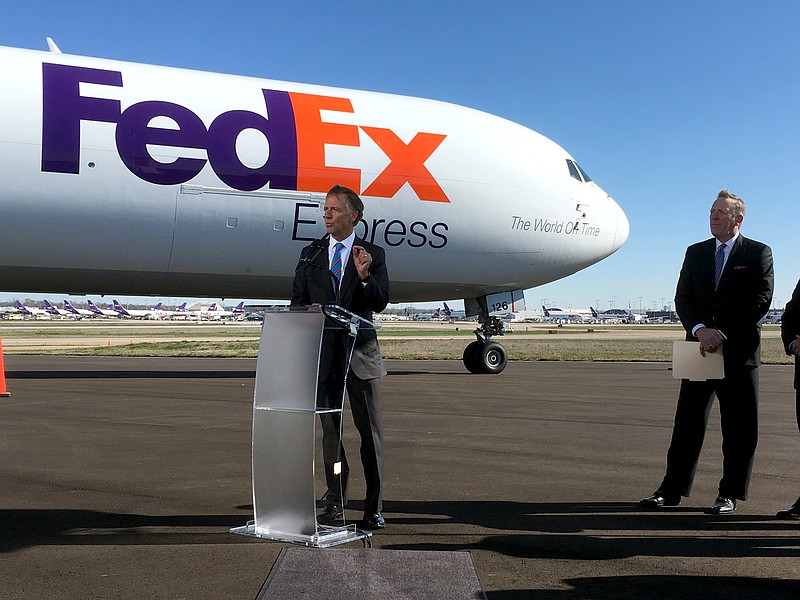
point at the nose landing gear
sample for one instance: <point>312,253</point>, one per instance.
<point>484,355</point>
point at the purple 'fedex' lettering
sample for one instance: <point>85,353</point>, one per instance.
<point>64,108</point>
<point>280,170</point>
<point>134,134</point>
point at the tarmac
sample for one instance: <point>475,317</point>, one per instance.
<point>121,477</point>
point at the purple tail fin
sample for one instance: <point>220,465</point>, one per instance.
<point>119,308</point>
<point>93,307</point>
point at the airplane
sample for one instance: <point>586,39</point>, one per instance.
<point>210,313</point>
<point>179,314</point>
<point>101,312</point>
<point>210,185</point>
<point>59,312</point>
<point>7,312</point>
<point>216,312</point>
<point>239,311</point>
<point>633,317</point>
<point>158,311</point>
<point>80,312</point>
<point>557,315</point>
<point>36,313</point>
<point>527,316</point>
<point>152,313</point>
<point>453,315</point>
<point>617,315</point>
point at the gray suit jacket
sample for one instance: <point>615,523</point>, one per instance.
<point>312,285</point>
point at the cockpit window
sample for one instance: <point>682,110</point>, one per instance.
<point>573,170</point>
<point>576,172</point>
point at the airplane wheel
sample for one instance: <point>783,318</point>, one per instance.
<point>472,357</point>
<point>493,358</point>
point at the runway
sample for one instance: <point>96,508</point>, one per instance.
<point>121,477</point>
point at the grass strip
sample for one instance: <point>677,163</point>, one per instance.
<point>545,348</point>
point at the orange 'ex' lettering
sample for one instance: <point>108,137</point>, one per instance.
<point>407,161</point>
<point>407,165</point>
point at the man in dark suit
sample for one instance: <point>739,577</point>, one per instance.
<point>724,289</point>
<point>790,334</point>
<point>346,270</point>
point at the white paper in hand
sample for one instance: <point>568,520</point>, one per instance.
<point>687,363</point>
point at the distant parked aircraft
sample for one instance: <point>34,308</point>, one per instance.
<point>453,315</point>
<point>617,315</point>
<point>78,311</point>
<point>60,312</point>
<point>101,312</point>
<point>151,313</point>
<point>557,315</point>
<point>36,313</point>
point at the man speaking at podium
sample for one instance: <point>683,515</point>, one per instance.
<point>343,269</point>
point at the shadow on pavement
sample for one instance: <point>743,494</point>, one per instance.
<point>663,587</point>
<point>26,528</point>
<point>600,531</point>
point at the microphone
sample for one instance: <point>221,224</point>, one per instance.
<point>317,246</point>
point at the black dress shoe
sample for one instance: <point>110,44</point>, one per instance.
<point>658,499</point>
<point>793,512</point>
<point>374,521</point>
<point>722,506</point>
<point>330,511</point>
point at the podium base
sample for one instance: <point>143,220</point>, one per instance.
<point>324,538</point>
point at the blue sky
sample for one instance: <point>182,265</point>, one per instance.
<point>663,104</point>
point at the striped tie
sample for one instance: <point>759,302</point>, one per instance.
<point>719,261</point>
<point>336,267</point>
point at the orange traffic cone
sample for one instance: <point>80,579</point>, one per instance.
<point>3,392</point>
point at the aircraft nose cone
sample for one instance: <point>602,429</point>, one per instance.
<point>623,228</point>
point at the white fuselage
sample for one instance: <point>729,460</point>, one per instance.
<point>132,179</point>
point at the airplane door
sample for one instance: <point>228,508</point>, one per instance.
<point>242,234</point>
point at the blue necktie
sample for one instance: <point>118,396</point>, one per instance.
<point>336,267</point>
<point>719,261</point>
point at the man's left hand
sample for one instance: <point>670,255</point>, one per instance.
<point>362,260</point>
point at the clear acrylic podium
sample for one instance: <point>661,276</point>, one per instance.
<point>294,352</point>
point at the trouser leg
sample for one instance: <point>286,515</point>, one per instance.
<point>330,396</point>
<point>365,404</point>
<point>333,454</point>
<point>688,433</point>
<point>738,407</point>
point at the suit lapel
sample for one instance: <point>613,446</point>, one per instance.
<point>706,273</point>
<point>323,260</point>
<point>350,273</point>
<point>732,257</point>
